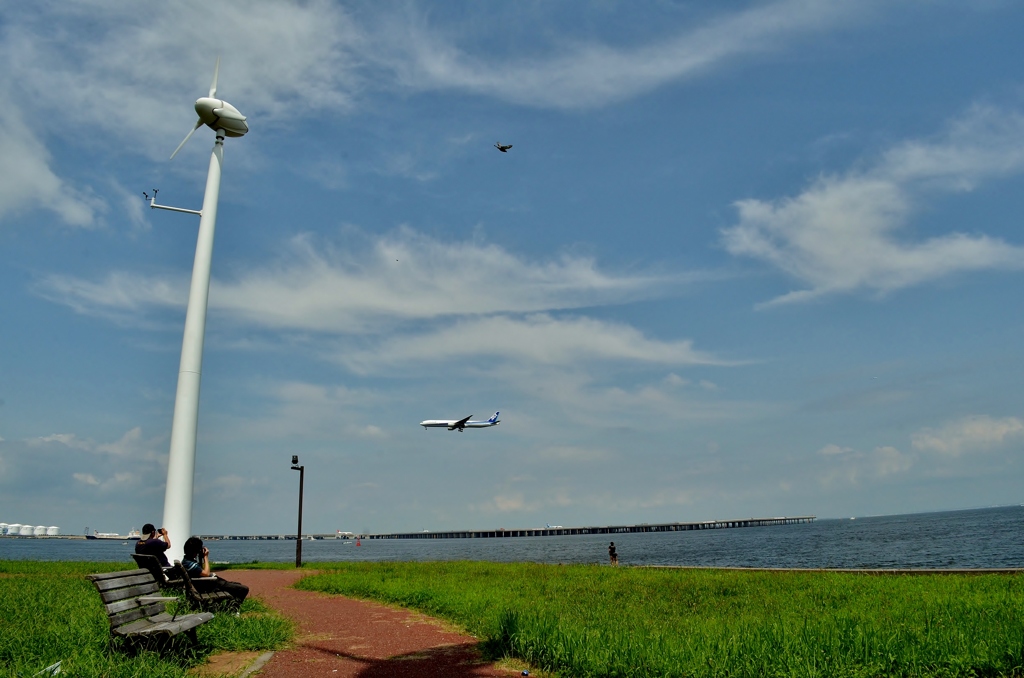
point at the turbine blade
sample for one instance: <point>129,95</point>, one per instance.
<point>213,85</point>
<point>187,137</point>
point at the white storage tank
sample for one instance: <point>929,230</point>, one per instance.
<point>27,530</point>
<point>14,528</point>
<point>39,531</point>
<point>3,528</point>
<point>52,531</point>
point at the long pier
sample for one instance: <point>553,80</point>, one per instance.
<point>607,529</point>
<point>556,531</point>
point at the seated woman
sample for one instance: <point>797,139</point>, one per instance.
<point>197,563</point>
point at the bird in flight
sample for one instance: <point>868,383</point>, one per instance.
<point>503,149</point>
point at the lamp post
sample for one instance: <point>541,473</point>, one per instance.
<point>298,537</point>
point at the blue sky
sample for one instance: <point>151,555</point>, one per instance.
<point>751,260</point>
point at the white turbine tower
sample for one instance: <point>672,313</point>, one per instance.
<point>225,120</point>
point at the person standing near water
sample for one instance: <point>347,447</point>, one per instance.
<point>612,555</point>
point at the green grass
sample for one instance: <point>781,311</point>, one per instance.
<point>49,612</point>
<point>601,621</point>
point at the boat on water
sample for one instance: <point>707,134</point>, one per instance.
<point>113,536</point>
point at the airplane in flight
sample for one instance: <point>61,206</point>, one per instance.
<point>460,424</point>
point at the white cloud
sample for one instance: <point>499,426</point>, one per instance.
<point>584,398</point>
<point>588,74</point>
<point>66,439</point>
<point>129,444</point>
<point>112,483</point>
<point>591,399</point>
<point>560,499</point>
<point>286,60</point>
<point>967,435</point>
<point>28,180</point>
<point>131,207</point>
<point>840,234</point>
<point>231,486</point>
<point>505,503</point>
<point>537,339</point>
<point>573,454</point>
<point>369,431</point>
<point>849,466</point>
<point>888,460</point>
<point>502,503</point>
<point>406,275</point>
<point>119,295</point>
<point>620,503</point>
<point>405,164</point>
<point>62,476</point>
<point>134,74</point>
<point>306,411</point>
<point>324,287</point>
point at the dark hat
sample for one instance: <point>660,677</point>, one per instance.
<point>148,528</point>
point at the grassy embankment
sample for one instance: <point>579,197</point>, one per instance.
<point>49,612</point>
<point>601,621</point>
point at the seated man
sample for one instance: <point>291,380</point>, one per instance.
<point>197,563</point>
<point>153,543</point>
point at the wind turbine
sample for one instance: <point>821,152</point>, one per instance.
<point>226,121</point>
<point>217,114</point>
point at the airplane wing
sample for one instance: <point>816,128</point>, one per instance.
<point>460,424</point>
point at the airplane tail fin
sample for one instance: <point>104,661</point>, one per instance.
<point>494,418</point>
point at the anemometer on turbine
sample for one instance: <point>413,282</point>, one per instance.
<point>153,205</point>
<point>226,121</point>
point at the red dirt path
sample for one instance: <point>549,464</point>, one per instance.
<point>337,636</point>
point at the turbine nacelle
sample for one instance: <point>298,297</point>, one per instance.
<point>216,114</point>
<point>219,114</point>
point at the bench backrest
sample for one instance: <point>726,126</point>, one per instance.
<point>206,599</point>
<point>190,589</point>
<point>119,591</point>
<point>152,564</point>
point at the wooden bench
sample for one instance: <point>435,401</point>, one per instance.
<point>136,610</point>
<point>206,599</point>
<point>165,577</point>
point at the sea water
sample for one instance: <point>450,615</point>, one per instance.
<point>980,538</point>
